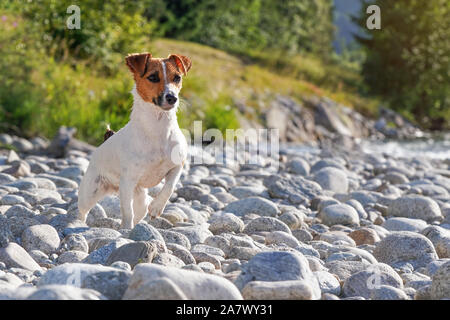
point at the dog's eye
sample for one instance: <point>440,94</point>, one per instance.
<point>153,77</point>
<point>176,79</point>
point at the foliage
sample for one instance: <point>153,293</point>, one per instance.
<point>39,94</point>
<point>51,76</point>
<point>243,25</point>
<point>107,28</point>
<point>408,59</point>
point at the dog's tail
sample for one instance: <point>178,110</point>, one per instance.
<point>108,133</point>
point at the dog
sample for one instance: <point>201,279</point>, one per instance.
<point>150,148</point>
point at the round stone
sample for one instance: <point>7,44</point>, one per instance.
<point>339,214</point>
<point>41,237</point>
<point>415,206</point>
<point>403,247</point>
<point>364,236</point>
<point>332,179</point>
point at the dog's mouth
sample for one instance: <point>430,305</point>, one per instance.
<point>167,107</point>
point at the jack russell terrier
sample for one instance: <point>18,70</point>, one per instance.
<point>151,147</point>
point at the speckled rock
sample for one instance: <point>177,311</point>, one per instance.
<point>278,266</point>
<point>339,214</point>
<point>41,237</point>
<point>405,247</point>
<point>278,290</point>
<point>193,285</point>
<point>415,206</point>
<point>256,205</point>
<point>364,282</point>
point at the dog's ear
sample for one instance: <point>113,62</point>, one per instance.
<point>138,62</point>
<point>182,62</point>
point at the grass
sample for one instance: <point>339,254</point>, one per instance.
<point>241,76</point>
<point>38,94</point>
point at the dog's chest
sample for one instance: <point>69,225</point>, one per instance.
<point>157,164</point>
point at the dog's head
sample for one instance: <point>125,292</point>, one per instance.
<point>158,81</point>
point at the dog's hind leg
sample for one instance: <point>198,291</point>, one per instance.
<point>140,204</point>
<point>92,189</point>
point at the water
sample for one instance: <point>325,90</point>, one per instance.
<point>437,147</point>
<point>428,148</point>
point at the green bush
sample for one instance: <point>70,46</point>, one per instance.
<point>39,94</point>
<point>107,28</point>
<point>242,25</point>
<point>408,59</point>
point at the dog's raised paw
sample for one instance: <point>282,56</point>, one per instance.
<point>155,209</point>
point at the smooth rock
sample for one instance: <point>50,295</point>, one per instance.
<point>364,282</point>
<point>41,237</point>
<point>364,236</point>
<point>64,292</point>
<point>440,238</point>
<point>280,237</point>
<point>242,192</point>
<point>195,234</point>
<point>404,224</point>
<point>133,253</point>
<point>333,179</point>
<point>405,247</point>
<point>415,206</point>
<point>295,189</point>
<point>14,255</point>
<point>339,214</point>
<point>194,285</point>
<point>111,283</point>
<point>388,293</point>
<point>278,290</point>
<point>278,266</point>
<point>266,224</point>
<point>145,232</point>
<point>440,286</point>
<point>74,241</point>
<point>159,289</point>
<point>101,255</point>
<point>226,222</point>
<point>170,236</point>
<point>72,256</point>
<point>256,205</point>
<point>298,166</point>
<point>328,283</point>
<point>71,274</point>
<point>168,260</point>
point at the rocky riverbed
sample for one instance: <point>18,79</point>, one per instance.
<point>325,224</point>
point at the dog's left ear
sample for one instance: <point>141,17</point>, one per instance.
<point>137,62</point>
<point>182,62</point>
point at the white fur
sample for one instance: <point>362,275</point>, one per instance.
<point>149,148</point>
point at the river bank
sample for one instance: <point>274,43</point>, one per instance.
<point>325,223</point>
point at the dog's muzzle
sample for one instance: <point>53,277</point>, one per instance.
<point>171,99</point>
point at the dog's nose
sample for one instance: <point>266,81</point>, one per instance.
<point>171,99</point>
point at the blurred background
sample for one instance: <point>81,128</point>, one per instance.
<point>310,68</point>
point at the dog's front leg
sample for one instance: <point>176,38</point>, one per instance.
<point>126,192</point>
<point>158,204</point>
